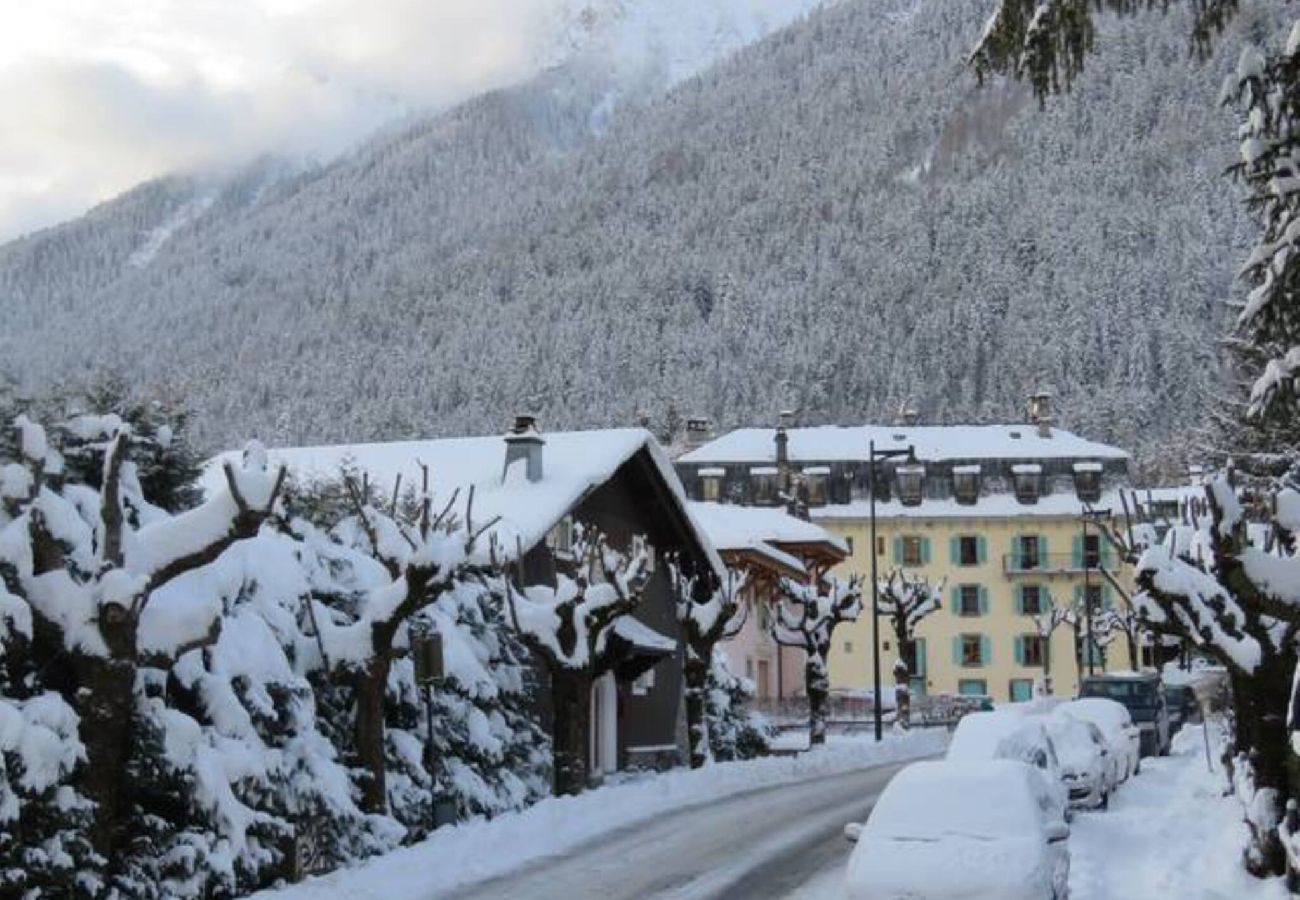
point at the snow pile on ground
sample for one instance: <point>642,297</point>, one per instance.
<point>1170,832</point>
<point>456,856</point>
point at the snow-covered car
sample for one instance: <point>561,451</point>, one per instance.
<point>1007,734</point>
<point>960,829</point>
<point>1114,722</point>
<point>1142,694</point>
<point>1089,770</point>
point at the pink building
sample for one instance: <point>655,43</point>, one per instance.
<point>768,544</point>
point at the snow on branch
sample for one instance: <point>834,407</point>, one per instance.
<point>709,612</point>
<point>807,614</point>
<point>570,623</point>
<point>907,599</point>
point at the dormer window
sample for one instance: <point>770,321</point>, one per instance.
<point>561,537</point>
<point>1027,477</point>
<point>711,484</point>
<point>766,491</point>
<point>815,479</point>
<point>966,484</point>
<point>911,484</point>
<point>1087,481</point>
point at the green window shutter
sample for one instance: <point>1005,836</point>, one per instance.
<point>1020,650</point>
<point>1020,599</point>
<point>1078,595</point>
<point>984,600</point>
<point>925,551</point>
<point>956,650</point>
<point>1076,550</point>
<point>1042,549</point>
<point>920,657</point>
<point>1015,553</point>
<point>986,650</point>
<point>954,603</point>
<point>981,550</point>
<point>1105,597</point>
<point>954,550</point>
<point>898,551</point>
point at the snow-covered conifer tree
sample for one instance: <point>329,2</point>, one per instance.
<point>734,731</point>
<point>806,616</point>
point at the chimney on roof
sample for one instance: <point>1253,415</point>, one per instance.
<point>908,415</point>
<point>524,447</point>
<point>782,440</point>
<point>698,431</point>
<point>1040,412</point>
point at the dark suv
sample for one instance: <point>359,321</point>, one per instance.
<point>1144,697</point>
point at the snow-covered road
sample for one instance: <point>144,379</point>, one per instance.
<point>773,842</point>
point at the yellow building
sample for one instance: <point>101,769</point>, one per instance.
<point>995,513</point>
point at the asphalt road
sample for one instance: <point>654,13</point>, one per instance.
<point>775,842</point>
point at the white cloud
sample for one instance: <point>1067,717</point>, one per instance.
<point>102,94</point>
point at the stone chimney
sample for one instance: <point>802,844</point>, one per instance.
<point>524,447</point>
<point>908,415</point>
<point>782,440</point>
<point>698,432</point>
<point>1040,412</point>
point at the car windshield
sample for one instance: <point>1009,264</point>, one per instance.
<point>929,800</point>
<point>1130,693</point>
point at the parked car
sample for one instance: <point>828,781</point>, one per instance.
<point>1006,734</point>
<point>1116,725</point>
<point>1183,707</point>
<point>1142,694</point>
<point>960,829</point>
<point>1089,770</point>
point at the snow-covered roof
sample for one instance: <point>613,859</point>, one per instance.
<point>933,443</point>
<point>994,506</point>
<point>574,464</point>
<point>732,527</point>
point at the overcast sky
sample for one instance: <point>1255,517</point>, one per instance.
<point>102,94</point>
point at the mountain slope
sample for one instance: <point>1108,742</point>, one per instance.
<point>836,218</point>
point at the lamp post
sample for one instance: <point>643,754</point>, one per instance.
<point>874,455</point>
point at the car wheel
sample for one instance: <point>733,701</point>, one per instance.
<point>1105,800</point>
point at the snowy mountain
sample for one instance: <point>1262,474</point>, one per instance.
<point>834,218</point>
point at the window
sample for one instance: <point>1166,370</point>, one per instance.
<point>561,537</point>
<point>968,551</point>
<point>1029,551</point>
<point>880,546</point>
<point>749,667</point>
<point>1031,650</point>
<point>911,484</point>
<point>764,618</point>
<point>1087,481</point>
<point>814,480</point>
<point>765,486</point>
<point>848,542</point>
<point>1021,690</point>
<point>972,650</point>
<point>710,488</point>
<point>884,647</point>
<point>1027,477</point>
<point>968,600</point>
<point>644,683</point>
<point>913,550</point>
<point>966,484</point>
<point>848,646</point>
<point>1092,597</point>
<point>1092,551</point>
<point>973,687</point>
<point>1031,599</point>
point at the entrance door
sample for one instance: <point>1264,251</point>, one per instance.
<point>604,725</point>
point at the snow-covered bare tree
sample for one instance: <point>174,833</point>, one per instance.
<point>1236,596</point>
<point>708,613</point>
<point>805,615</point>
<point>424,557</point>
<point>1050,616</point>
<point>90,580</point>
<point>905,600</point>
<point>569,627</point>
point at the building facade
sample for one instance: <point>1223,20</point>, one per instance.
<point>996,514</point>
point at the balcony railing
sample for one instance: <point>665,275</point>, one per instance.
<point>1052,563</point>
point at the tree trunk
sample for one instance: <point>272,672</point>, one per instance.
<point>902,683</point>
<point>106,705</point>
<point>1047,665</point>
<point>695,672</point>
<point>570,729</point>
<point>372,685</point>
<point>818,686</point>
<point>1260,702</point>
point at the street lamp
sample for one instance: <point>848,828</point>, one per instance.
<point>874,455</point>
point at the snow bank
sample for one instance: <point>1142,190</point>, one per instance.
<point>459,855</point>
<point>1169,833</point>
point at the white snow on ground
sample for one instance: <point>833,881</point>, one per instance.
<point>474,851</point>
<point>1169,832</point>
